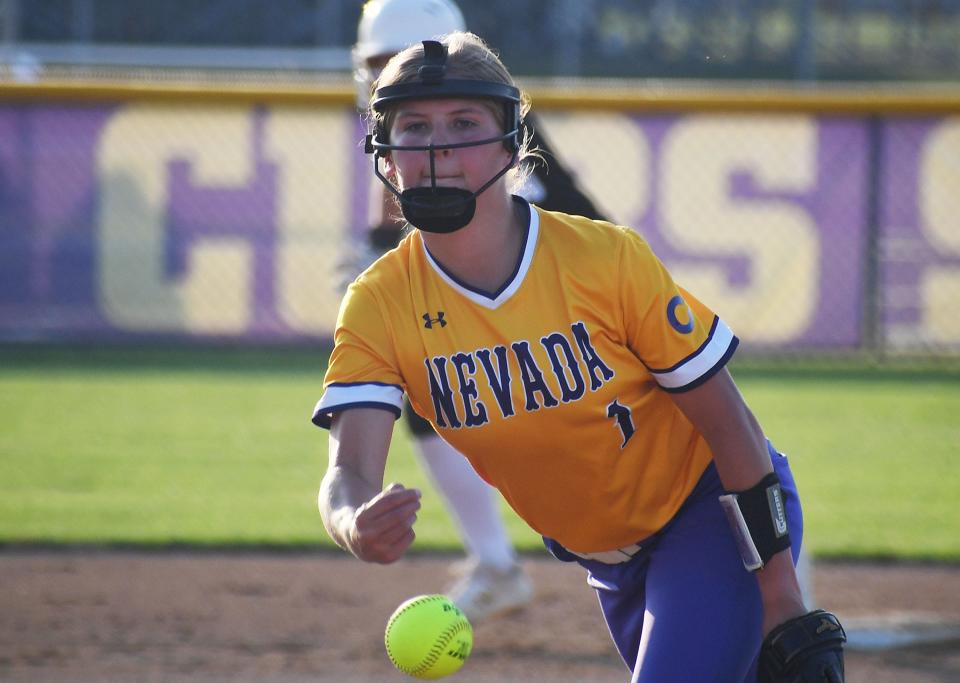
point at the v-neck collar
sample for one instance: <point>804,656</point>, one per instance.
<point>493,300</point>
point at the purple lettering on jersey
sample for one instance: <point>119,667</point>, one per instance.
<point>498,378</point>
<point>474,411</point>
<point>532,378</point>
<point>590,356</point>
<point>561,367</point>
<point>441,393</point>
<point>567,372</point>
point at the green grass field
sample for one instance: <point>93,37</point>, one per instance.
<point>214,447</point>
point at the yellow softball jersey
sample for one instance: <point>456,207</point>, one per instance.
<point>556,387</point>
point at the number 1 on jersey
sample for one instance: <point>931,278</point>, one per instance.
<point>624,418</point>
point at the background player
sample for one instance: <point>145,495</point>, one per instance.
<point>577,378</point>
<point>491,580</point>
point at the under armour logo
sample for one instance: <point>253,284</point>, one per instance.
<point>429,322</point>
<point>826,625</point>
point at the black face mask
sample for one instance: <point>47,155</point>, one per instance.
<point>440,209</point>
<point>435,208</point>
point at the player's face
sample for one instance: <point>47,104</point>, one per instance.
<point>442,122</point>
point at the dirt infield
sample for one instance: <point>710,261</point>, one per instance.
<point>292,618</point>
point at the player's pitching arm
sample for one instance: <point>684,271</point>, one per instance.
<point>372,522</point>
<point>719,412</point>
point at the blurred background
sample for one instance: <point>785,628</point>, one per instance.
<point>183,188</point>
<point>191,170</point>
<point>817,40</point>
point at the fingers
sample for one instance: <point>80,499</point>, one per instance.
<point>398,490</point>
<point>393,502</point>
<point>383,527</point>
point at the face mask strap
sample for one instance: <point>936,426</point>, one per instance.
<point>503,171</point>
<point>384,179</point>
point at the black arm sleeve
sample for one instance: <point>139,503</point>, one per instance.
<point>559,185</point>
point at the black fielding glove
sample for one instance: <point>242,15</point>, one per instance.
<point>805,649</point>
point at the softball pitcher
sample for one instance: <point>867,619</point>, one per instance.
<point>558,355</point>
<point>491,580</point>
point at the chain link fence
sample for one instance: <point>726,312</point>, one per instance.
<point>191,170</point>
<point>213,214</point>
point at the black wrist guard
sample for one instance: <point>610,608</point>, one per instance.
<point>759,521</point>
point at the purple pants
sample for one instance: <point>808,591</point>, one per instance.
<point>684,608</point>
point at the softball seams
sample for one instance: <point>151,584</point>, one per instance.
<point>447,635</point>
<point>443,640</point>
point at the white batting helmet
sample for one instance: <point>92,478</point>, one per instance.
<point>388,26</point>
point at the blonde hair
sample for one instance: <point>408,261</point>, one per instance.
<point>470,58</point>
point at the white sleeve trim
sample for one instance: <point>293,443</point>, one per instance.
<point>703,362</point>
<point>339,397</point>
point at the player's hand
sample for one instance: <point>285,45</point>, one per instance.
<point>382,528</point>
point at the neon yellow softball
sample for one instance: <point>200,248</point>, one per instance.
<point>428,637</point>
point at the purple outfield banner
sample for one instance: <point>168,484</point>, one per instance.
<point>919,241</point>
<point>159,220</point>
